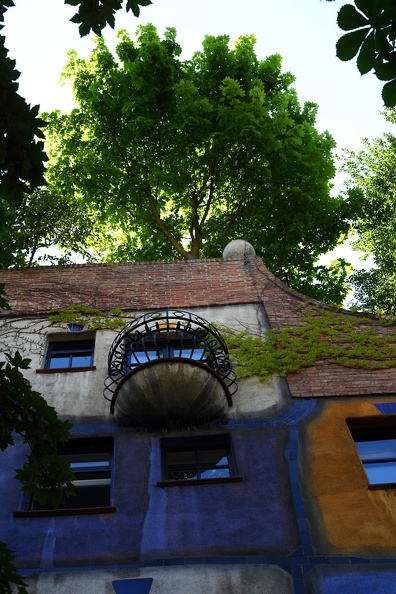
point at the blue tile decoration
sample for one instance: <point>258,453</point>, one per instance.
<point>133,586</point>
<point>386,408</point>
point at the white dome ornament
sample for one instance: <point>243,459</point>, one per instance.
<point>238,249</point>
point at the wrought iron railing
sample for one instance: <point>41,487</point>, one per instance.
<point>167,333</point>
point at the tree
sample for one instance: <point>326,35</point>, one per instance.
<point>51,229</point>
<point>371,26</point>
<point>182,156</point>
<point>373,172</point>
<point>22,155</point>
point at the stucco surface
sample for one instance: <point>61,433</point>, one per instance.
<point>214,579</point>
<point>360,579</point>
<point>77,395</point>
<point>354,518</point>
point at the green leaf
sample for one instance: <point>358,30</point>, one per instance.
<point>386,71</point>
<point>368,7</point>
<point>348,45</point>
<point>84,29</point>
<point>9,574</point>
<point>349,18</point>
<point>389,94</point>
<point>382,45</point>
<point>392,34</point>
<point>77,18</point>
<point>18,361</point>
<point>388,8</point>
<point>366,57</point>
<point>134,5</point>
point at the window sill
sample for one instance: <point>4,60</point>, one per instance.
<point>78,511</point>
<point>66,369</point>
<point>382,486</point>
<point>190,483</point>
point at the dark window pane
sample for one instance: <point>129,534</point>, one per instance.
<point>181,457</point>
<point>95,496</point>
<point>92,472</point>
<point>197,463</point>
<point>213,457</point>
<point>181,475</point>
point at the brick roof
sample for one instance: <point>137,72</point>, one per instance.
<point>185,284</point>
<point>130,286</point>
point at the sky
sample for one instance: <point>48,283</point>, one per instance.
<point>39,34</point>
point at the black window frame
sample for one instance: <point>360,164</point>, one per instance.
<point>91,479</point>
<point>380,431</point>
<point>71,349</point>
<point>160,347</point>
<point>198,445</point>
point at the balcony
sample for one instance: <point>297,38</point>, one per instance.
<point>169,368</point>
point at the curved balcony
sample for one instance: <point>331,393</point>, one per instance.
<point>169,368</point>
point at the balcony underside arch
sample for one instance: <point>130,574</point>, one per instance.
<point>169,368</point>
<point>170,392</point>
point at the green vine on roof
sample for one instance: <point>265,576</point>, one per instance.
<point>90,318</point>
<point>342,339</point>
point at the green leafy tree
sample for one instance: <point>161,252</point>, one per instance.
<point>326,283</point>
<point>179,157</point>
<point>21,150</point>
<point>51,229</point>
<point>22,155</point>
<point>26,413</point>
<point>373,172</point>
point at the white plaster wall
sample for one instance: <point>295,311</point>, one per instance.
<point>214,579</point>
<point>79,395</point>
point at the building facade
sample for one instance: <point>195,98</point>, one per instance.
<point>189,476</point>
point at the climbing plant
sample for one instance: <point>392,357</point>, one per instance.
<point>343,339</point>
<point>90,318</point>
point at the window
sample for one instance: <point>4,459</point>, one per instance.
<point>376,446</point>
<point>142,353</point>
<point>90,460</point>
<point>204,459</point>
<point>72,354</point>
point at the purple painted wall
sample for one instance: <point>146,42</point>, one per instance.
<point>251,517</point>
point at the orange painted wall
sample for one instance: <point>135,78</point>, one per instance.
<point>345,515</point>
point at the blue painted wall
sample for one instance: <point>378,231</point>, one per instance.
<point>255,516</point>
